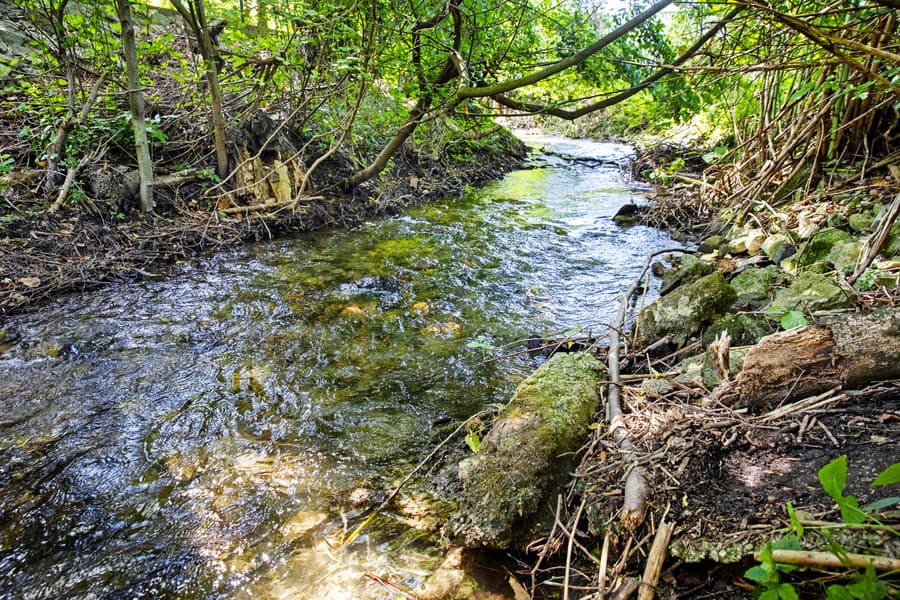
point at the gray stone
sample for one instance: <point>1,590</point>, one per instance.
<point>684,311</point>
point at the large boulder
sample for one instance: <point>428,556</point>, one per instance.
<point>525,454</point>
<point>684,311</point>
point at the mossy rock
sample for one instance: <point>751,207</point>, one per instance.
<point>711,244</point>
<point>523,456</point>
<point>817,248</point>
<point>744,330</point>
<point>814,292</point>
<point>892,244</point>
<point>778,247</point>
<point>861,222</point>
<point>686,269</point>
<point>844,257</point>
<point>755,287</point>
<point>684,311</point>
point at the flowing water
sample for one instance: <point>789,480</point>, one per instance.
<point>206,436</point>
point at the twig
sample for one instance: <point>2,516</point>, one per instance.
<point>881,236</point>
<point>827,559</point>
<point>392,587</point>
<point>655,561</point>
<point>635,498</point>
<point>604,561</point>
<point>569,548</point>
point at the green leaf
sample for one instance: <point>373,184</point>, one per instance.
<point>888,476</point>
<point>787,592</point>
<point>793,319</point>
<point>868,586</point>
<point>788,542</point>
<point>473,442</point>
<point>757,574</point>
<point>883,503</point>
<point>770,594</point>
<point>833,478</point>
<point>837,592</point>
<point>796,525</point>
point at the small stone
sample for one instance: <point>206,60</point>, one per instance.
<point>754,240</point>
<point>778,247</point>
<point>711,244</point>
<point>861,222</point>
<point>843,257</point>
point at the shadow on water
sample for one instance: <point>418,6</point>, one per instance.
<point>200,437</point>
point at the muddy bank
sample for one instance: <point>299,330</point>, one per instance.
<point>43,255</point>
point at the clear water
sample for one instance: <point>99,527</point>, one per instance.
<point>204,436</point>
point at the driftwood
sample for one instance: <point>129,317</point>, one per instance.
<point>634,502</point>
<point>842,351</point>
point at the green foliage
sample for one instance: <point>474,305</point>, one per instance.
<point>769,575</point>
<point>793,319</point>
<point>833,478</point>
<point>473,442</point>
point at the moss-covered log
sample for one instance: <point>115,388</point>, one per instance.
<point>524,454</point>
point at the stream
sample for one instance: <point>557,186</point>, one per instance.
<point>210,435</point>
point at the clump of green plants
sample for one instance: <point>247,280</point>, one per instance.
<point>773,575</point>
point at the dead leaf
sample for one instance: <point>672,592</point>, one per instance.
<point>30,282</point>
<point>518,589</point>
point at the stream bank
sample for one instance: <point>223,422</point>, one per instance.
<point>768,365</point>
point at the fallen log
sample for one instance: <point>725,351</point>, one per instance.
<point>841,351</point>
<point>526,452</point>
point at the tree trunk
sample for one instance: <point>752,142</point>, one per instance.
<point>196,21</point>
<point>136,100</point>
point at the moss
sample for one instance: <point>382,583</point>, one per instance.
<point>819,246</point>
<point>547,418</point>
<point>754,286</point>
<point>684,311</point>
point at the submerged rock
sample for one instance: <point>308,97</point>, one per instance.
<point>684,311</point>
<point>523,456</point>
